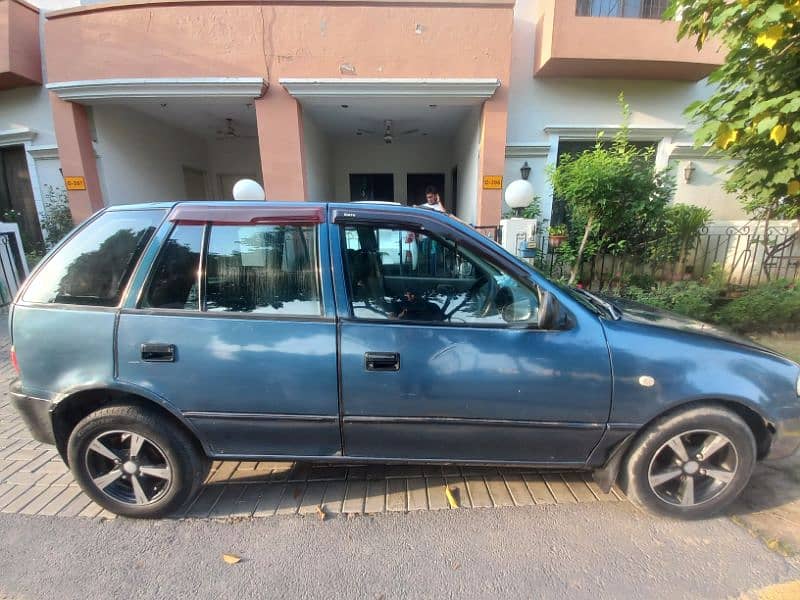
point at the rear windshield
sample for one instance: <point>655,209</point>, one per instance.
<point>93,267</point>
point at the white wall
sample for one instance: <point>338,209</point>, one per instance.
<point>317,157</point>
<point>141,159</point>
<point>539,103</point>
<point>236,156</point>
<point>405,155</point>
<point>467,147</point>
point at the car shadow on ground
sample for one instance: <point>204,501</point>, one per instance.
<point>264,489</point>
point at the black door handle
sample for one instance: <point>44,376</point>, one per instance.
<point>382,361</point>
<point>158,352</point>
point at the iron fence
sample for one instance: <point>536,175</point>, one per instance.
<point>744,256</point>
<point>12,266</point>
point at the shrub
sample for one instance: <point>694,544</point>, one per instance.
<point>768,307</point>
<point>688,298</point>
<point>57,220</point>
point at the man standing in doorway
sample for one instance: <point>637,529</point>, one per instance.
<point>432,199</point>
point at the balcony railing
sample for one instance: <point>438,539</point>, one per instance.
<point>636,9</point>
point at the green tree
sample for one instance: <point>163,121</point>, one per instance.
<point>753,114</point>
<point>615,193</point>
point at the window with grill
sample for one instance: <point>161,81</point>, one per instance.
<point>637,9</point>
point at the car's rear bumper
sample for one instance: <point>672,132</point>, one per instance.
<point>785,439</point>
<point>35,413</point>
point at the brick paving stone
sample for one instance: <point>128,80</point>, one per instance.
<point>61,501</point>
<point>327,473</point>
<point>271,495</point>
<point>417,494</point>
<point>354,496</point>
<point>498,490</point>
<point>375,501</point>
<point>92,510</point>
<point>540,493</point>
<point>56,466</point>
<point>437,500</point>
<point>227,500</point>
<point>25,478</point>
<point>25,496</point>
<point>292,497</point>
<point>396,495</point>
<point>559,489</point>
<point>234,503</point>
<point>223,472</point>
<point>15,466</point>
<point>312,498</point>
<point>334,496</point>
<point>578,487</point>
<point>599,494</point>
<point>478,492</point>
<point>78,504</point>
<point>458,486</point>
<point>41,500</point>
<point>205,501</point>
<point>518,490</point>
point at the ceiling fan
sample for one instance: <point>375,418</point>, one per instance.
<point>388,135</point>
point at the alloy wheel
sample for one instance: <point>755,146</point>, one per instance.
<point>693,467</point>
<point>128,467</point>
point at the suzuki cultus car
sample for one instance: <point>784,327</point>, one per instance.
<point>158,337</point>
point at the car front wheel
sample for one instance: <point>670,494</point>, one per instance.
<point>690,464</point>
<point>134,463</point>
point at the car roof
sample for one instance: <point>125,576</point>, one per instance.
<point>278,205</point>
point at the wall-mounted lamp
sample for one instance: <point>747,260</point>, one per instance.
<point>525,170</point>
<point>688,172</point>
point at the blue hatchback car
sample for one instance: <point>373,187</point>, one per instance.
<point>158,337</point>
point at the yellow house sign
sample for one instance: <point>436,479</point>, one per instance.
<point>75,183</point>
<point>493,182</point>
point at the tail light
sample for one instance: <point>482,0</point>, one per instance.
<point>14,362</point>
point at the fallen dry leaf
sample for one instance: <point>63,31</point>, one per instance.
<point>231,559</point>
<point>321,513</point>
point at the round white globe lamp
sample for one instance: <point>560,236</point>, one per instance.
<point>519,194</point>
<point>247,189</point>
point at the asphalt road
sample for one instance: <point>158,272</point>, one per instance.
<point>584,551</point>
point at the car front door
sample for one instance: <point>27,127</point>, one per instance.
<point>441,356</point>
<point>235,328</point>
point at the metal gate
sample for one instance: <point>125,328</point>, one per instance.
<point>13,267</point>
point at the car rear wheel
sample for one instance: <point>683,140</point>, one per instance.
<point>132,462</point>
<point>691,464</point>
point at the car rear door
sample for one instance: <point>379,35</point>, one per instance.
<point>429,370</point>
<point>233,324</point>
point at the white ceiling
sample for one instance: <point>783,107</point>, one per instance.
<point>344,117</point>
<point>340,117</point>
<point>206,118</point>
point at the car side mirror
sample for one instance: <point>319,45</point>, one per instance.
<point>549,310</point>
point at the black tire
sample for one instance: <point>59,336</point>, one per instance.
<point>166,450</point>
<point>649,473</point>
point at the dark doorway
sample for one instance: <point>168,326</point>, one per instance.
<point>416,184</point>
<point>16,194</point>
<point>372,186</point>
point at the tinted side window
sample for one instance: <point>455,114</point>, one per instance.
<point>93,267</point>
<point>174,283</point>
<point>410,275</point>
<point>271,269</point>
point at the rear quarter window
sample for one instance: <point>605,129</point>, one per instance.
<point>93,267</point>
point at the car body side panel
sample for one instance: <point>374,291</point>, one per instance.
<point>63,347</point>
<point>242,382</point>
<point>685,367</point>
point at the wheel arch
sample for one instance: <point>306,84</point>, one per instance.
<point>73,406</point>
<point>759,425</point>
